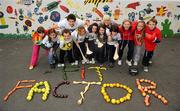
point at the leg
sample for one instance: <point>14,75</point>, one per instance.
<point>101,54</point>
<point>137,54</point>
<point>35,55</point>
<point>70,56</point>
<point>122,45</point>
<point>61,56</point>
<point>130,50</point>
<point>111,53</point>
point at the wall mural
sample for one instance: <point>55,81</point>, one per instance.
<point>21,17</point>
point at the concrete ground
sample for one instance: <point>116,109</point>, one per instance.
<point>14,61</point>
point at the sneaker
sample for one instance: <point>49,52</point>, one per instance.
<point>128,63</point>
<point>93,61</point>
<point>150,61</point>
<point>90,62</point>
<point>120,62</point>
<point>31,67</point>
<point>111,65</point>
<point>83,62</point>
<point>146,69</point>
<point>76,63</point>
<point>135,63</point>
<point>59,65</point>
<point>72,63</point>
<point>101,65</point>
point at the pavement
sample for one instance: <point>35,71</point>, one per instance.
<point>14,61</point>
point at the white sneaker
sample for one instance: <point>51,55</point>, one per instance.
<point>128,63</point>
<point>76,63</point>
<point>59,65</point>
<point>83,62</point>
<point>120,62</point>
<point>146,69</point>
<point>72,63</point>
<point>90,62</point>
<point>62,65</point>
<point>135,63</point>
<point>93,61</point>
<point>150,61</point>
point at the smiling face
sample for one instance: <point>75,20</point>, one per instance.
<point>140,26</point>
<point>94,29</point>
<point>101,30</point>
<point>71,22</point>
<point>126,25</point>
<point>52,35</point>
<point>151,25</point>
<point>67,36</point>
<point>82,32</point>
<point>41,34</point>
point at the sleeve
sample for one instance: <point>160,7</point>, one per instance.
<point>134,24</point>
<point>80,22</point>
<point>61,44</point>
<point>74,35</point>
<point>158,35</point>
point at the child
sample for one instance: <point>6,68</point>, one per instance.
<point>90,41</point>
<point>50,43</point>
<point>139,35</point>
<point>79,37</point>
<point>152,38</point>
<point>127,31</point>
<point>101,45</point>
<point>36,38</point>
<point>112,43</point>
<point>66,44</point>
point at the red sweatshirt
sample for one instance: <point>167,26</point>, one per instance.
<point>127,34</point>
<point>151,36</point>
<point>138,41</point>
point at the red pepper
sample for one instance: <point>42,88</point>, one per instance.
<point>82,72</point>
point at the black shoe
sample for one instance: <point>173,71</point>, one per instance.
<point>111,65</point>
<point>52,66</point>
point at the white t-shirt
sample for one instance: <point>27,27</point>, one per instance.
<point>115,39</point>
<point>64,24</point>
<point>49,44</point>
<point>77,37</point>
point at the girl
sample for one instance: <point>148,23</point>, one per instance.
<point>79,37</point>
<point>139,35</point>
<point>66,44</point>
<point>37,38</point>
<point>153,37</point>
<point>90,41</point>
<point>127,31</point>
<point>101,45</point>
<point>50,43</point>
<point>112,43</point>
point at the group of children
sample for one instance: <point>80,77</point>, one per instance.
<point>97,42</point>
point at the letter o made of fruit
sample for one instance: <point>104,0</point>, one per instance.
<point>118,85</point>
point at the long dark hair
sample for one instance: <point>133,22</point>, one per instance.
<point>91,26</point>
<point>105,35</point>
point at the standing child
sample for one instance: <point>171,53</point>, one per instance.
<point>66,44</point>
<point>127,31</point>
<point>101,42</point>
<point>152,38</point>
<point>50,43</point>
<point>139,35</point>
<point>36,38</point>
<point>79,36</point>
<point>90,41</point>
<point>112,43</point>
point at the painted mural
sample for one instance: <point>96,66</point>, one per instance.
<point>21,17</point>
